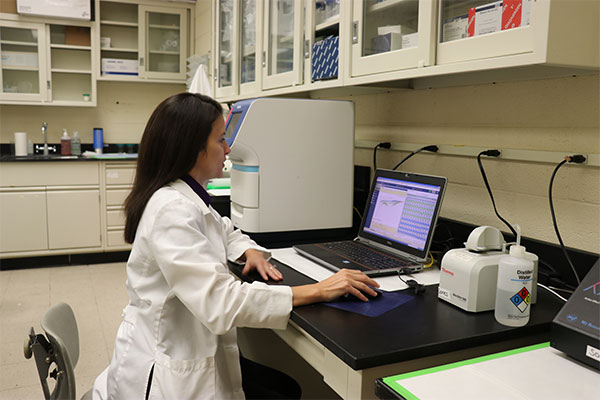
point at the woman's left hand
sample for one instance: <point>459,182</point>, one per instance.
<point>256,260</point>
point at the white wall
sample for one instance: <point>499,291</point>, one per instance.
<point>553,114</point>
<point>122,111</point>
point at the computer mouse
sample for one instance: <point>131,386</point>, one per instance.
<point>351,297</point>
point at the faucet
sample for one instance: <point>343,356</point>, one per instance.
<point>44,133</point>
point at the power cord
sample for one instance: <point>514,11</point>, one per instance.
<point>492,153</point>
<point>432,147</point>
<point>383,145</point>
<point>577,159</point>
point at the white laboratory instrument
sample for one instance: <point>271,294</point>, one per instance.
<point>468,276</point>
<point>292,164</point>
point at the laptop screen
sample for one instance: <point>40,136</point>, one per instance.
<point>402,210</point>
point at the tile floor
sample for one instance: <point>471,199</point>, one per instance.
<point>97,295</point>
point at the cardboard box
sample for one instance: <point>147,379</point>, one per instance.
<point>325,58</point>
<point>8,6</point>
<point>401,29</point>
<point>485,19</point>
<point>77,35</point>
<point>411,40</point>
<point>116,66</point>
<point>19,59</point>
<point>387,42</point>
<point>455,28</point>
<point>515,13</point>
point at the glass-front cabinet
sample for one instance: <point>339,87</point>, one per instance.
<point>163,39</point>
<point>142,41</point>
<point>23,71</point>
<point>283,43</point>
<point>238,47</point>
<point>46,63</point>
<point>227,64</point>
<point>390,35</point>
<point>480,29</point>
<point>325,41</point>
<point>251,45</point>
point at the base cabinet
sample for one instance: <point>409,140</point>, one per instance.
<point>63,207</point>
<point>49,208</point>
<point>73,218</point>
<point>23,216</point>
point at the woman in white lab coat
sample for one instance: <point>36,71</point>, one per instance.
<point>178,337</point>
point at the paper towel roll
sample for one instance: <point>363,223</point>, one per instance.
<point>20,143</point>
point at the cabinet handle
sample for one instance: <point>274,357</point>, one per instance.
<point>264,60</point>
<point>306,48</point>
<point>48,85</point>
<point>141,61</point>
<point>354,32</point>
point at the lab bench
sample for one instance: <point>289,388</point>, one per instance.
<point>351,351</point>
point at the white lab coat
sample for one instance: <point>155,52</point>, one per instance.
<point>185,306</point>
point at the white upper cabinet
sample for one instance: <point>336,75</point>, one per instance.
<point>23,72</point>
<point>227,61</point>
<point>420,43</point>
<point>238,47</point>
<point>325,42</point>
<point>251,22</point>
<point>46,63</point>
<point>389,35</point>
<point>142,42</point>
<point>283,43</point>
<point>163,42</point>
<point>522,32</point>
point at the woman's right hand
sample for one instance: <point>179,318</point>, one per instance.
<point>343,282</point>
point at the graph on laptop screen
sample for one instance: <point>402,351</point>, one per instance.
<point>402,211</point>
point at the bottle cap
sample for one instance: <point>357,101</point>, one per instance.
<point>517,250</point>
<point>76,133</point>
<point>65,134</point>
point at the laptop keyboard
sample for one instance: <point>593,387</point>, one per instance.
<point>365,256</point>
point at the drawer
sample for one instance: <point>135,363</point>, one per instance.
<point>115,218</point>
<point>116,197</point>
<point>49,173</point>
<point>120,176</point>
<point>115,238</point>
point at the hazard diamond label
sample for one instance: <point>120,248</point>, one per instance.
<point>521,299</point>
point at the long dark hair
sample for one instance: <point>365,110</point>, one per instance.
<point>175,134</point>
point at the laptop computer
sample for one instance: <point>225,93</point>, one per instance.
<point>396,230</point>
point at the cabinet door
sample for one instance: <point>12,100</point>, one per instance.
<point>118,40</point>
<point>163,42</point>
<point>73,218</point>
<point>283,42</point>
<point>71,77</point>
<point>392,35</point>
<point>251,17</point>
<point>324,42</point>
<point>480,29</point>
<point>227,65</point>
<point>23,67</point>
<point>23,216</point>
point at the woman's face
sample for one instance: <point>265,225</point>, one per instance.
<point>211,161</point>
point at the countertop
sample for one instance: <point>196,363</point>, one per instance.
<point>58,157</point>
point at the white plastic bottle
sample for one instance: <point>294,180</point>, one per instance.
<point>76,144</point>
<point>65,144</point>
<point>513,293</point>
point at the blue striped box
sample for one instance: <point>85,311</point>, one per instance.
<point>325,58</point>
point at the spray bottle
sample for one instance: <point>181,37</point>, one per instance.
<point>513,292</point>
